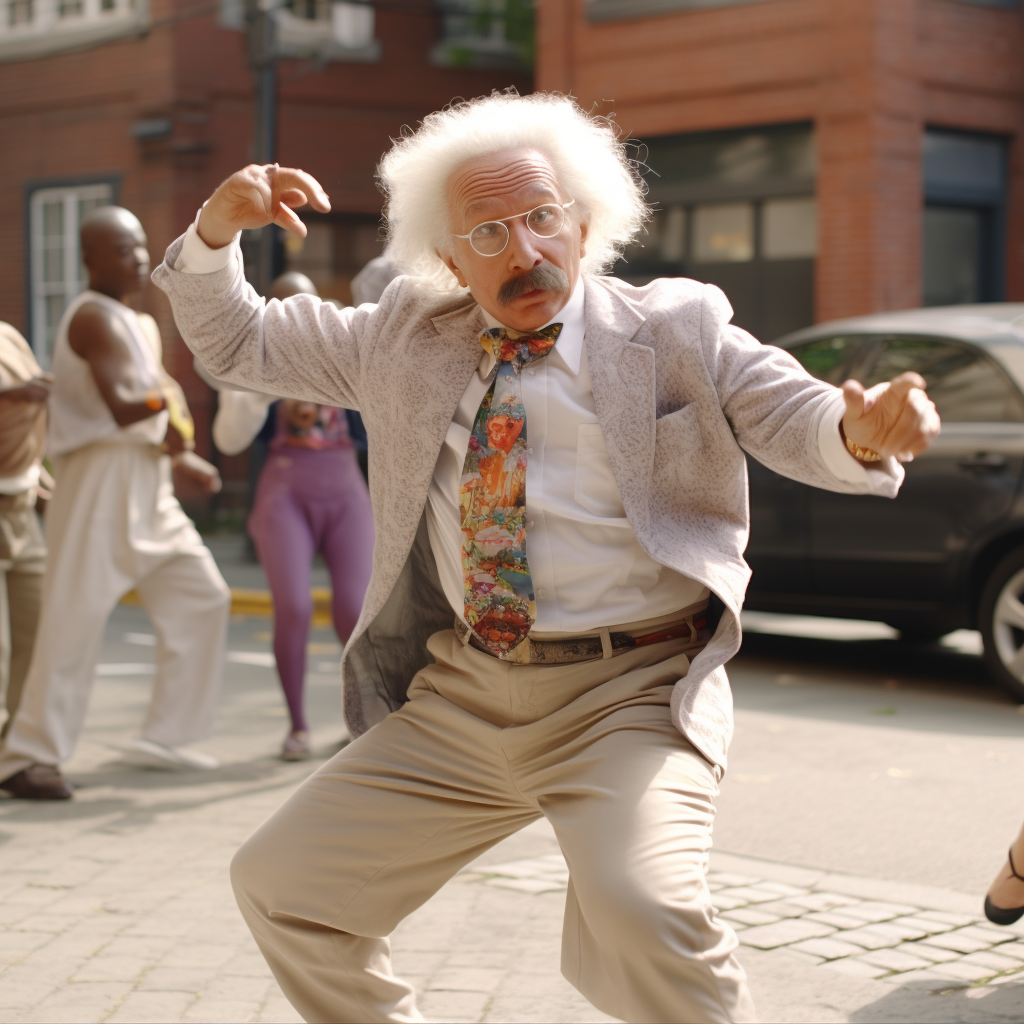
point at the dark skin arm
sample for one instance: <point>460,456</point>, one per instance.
<point>97,337</point>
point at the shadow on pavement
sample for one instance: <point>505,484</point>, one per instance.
<point>132,809</point>
<point>918,1001</point>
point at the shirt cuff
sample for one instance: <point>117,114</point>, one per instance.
<point>835,453</point>
<point>196,257</point>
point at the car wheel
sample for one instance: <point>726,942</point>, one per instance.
<point>1001,620</point>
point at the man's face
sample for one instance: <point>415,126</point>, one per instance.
<point>118,261</point>
<point>502,185</point>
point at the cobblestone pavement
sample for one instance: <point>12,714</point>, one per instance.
<point>116,907</point>
<point>859,936</point>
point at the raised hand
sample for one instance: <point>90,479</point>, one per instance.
<point>257,196</point>
<point>896,418</point>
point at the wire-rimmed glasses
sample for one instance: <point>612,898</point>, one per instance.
<point>491,237</point>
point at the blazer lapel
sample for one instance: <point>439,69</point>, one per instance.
<point>622,376</point>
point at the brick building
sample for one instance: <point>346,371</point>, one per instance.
<point>817,158</point>
<point>149,103</point>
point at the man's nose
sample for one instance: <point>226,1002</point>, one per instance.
<point>522,244</point>
<point>141,256</point>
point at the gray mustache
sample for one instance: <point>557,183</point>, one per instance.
<point>546,277</point>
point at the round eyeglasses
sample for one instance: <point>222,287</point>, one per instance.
<point>491,237</point>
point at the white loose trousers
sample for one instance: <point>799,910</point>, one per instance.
<point>114,525</point>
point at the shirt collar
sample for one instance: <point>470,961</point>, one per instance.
<point>570,339</point>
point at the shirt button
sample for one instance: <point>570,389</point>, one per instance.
<point>542,593</point>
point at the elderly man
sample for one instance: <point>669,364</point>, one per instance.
<point>560,496</point>
<point>114,524</point>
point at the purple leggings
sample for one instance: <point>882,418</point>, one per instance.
<point>309,501</point>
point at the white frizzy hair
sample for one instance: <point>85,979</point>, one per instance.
<point>589,161</point>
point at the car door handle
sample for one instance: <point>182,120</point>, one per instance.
<point>984,462</point>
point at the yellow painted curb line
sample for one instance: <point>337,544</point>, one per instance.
<point>259,603</point>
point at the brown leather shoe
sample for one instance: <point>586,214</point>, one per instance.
<point>37,782</point>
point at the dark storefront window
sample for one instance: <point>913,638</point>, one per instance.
<point>964,229</point>
<point>736,209</point>
<point>334,251</point>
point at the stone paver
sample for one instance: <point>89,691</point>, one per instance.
<point>783,933</point>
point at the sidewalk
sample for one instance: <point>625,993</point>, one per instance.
<point>116,907</point>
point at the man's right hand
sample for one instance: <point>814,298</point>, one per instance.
<point>257,196</point>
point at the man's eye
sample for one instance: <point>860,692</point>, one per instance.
<point>487,229</point>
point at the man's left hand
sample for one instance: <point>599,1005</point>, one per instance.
<point>896,418</point>
<point>195,468</point>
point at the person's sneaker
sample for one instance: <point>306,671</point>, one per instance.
<point>37,782</point>
<point>295,747</point>
<point>155,755</point>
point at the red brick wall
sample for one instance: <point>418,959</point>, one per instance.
<point>870,75</point>
<point>69,116</point>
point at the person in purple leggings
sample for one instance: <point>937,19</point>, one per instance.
<point>311,497</point>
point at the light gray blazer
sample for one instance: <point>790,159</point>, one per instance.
<point>679,398</point>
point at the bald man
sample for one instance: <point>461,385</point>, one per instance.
<point>114,525</point>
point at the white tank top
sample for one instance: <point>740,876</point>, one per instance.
<point>78,415</point>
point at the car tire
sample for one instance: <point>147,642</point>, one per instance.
<point>1001,621</point>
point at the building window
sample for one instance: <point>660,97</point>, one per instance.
<point>618,10</point>
<point>736,209</point>
<point>56,271</point>
<point>485,34</point>
<point>33,28</point>
<point>964,225</point>
<point>334,250</point>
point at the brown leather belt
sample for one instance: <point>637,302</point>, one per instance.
<point>693,628</point>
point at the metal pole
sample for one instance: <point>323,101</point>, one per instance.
<point>260,31</point>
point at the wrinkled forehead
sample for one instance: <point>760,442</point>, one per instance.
<point>483,186</point>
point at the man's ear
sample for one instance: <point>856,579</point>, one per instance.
<point>449,262</point>
<point>583,240</point>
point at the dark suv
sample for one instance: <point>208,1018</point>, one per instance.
<point>948,552</point>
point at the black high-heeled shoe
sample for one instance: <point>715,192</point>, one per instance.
<point>1005,915</point>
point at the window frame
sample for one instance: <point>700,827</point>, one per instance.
<point>73,191</point>
<point>860,364</point>
<point>49,32</point>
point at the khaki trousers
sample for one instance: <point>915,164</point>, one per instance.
<point>481,749</point>
<point>115,524</point>
<point>22,563</point>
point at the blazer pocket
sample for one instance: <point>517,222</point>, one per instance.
<point>595,487</point>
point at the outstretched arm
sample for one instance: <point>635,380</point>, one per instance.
<point>297,348</point>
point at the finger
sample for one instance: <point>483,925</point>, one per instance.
<point>292,197</point>
<point>901,386</point>
<point>289,221</point>
<point>286,178</point>
<point>853,395</point>
<point>916,427</point>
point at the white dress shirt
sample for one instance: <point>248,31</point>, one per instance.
<point>587,565</point>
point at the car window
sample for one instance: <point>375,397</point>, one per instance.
<point>965,384</point>
<point>837,358</point>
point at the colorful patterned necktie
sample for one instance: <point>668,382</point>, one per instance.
<point>500,605</point>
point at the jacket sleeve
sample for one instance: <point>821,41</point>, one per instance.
<point>301,347</point>
<point>780,414</point>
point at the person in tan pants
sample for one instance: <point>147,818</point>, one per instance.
<point>559,495</point>
<point>24,389</point>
